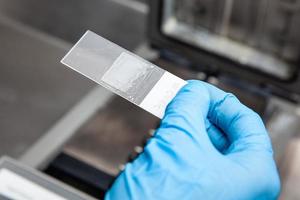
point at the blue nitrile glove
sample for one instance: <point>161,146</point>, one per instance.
<point>209,146</point>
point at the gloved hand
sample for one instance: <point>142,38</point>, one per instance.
<point>209,146</point>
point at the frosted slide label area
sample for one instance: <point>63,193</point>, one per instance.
<point>162,93</point>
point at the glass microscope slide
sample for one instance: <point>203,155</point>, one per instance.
<point>124,73</point>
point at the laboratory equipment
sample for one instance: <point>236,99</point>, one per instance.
<point>256,41</point>
<point>21,182</point>
<point>124,73</point>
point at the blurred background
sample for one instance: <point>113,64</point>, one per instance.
<point>64,125</point>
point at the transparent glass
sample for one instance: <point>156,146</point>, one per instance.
<point>124,73</point>
<point>113,67</point>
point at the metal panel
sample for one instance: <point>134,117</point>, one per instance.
<point>281,79</point>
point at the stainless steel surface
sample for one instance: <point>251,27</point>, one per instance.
<point>106,140</point>
<point>35,89</point>
<point>113,19</point>
<point>258,34</point>
<point>136,5</point>
<point>283,124</point>
<point>290,172</point>
<point>50,144</point>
